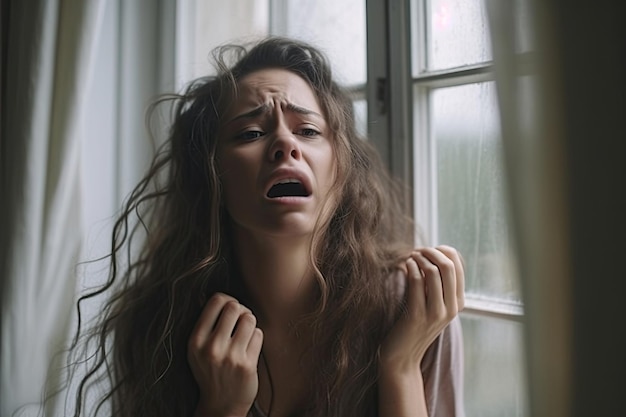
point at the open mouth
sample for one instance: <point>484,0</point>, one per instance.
<point>289,187</point>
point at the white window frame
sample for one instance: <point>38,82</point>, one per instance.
<point>400,126</point>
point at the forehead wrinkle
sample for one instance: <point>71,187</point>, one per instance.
<point>265,86</point>
<point>266,108</point>
<point>263,108</point>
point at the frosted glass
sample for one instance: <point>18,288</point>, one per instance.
<point>337,27</point>
<point>494,368</point>
<point>360,116</point>
<point>457,33</point>
<point>470,181</point>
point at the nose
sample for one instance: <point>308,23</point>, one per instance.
<point>284,146</point>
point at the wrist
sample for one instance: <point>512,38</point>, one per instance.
<point>400,376</point>
<point>399,367</point>
<point>401,394</point>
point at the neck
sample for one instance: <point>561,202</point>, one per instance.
<point>278,276</point>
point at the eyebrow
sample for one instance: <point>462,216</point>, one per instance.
<point>301,110</point>
<point>264,108</point>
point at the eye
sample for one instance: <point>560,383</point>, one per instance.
<point>307,131</point>
<point>249,135</point>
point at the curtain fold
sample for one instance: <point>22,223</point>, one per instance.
<point>530,95</point>
<point>77,78</point>
<point>563,130</point>
<point>48,60</point>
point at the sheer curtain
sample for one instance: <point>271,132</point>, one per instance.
<point>76,79</point>
<point>48,59</point>
<point>563,128</point>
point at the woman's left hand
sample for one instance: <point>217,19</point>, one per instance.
<point>435,286</point>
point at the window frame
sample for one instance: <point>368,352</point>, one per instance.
<point>399,119</point>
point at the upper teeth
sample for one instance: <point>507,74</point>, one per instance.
<point>288,181</point>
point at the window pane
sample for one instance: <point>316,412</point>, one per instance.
<point>360,116</point>
<point>456,33</point>
<point>337,27</point>
<point>470,201</point>
<point>494,368</point>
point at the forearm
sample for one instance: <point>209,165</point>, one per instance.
<point>401,395</point>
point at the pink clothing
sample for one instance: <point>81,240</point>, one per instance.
<point>442,368</point>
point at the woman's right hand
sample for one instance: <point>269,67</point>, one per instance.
<point>223,353</point>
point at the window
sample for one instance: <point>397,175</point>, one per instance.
<point>336,27</point>
<point>460,189</point>
<point>424,91</point>
<point>436,122</point>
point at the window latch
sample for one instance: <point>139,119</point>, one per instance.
<point>381,95</point>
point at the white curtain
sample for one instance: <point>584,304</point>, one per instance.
<point>563,129</point>
<point>534,149</point>
<point>48,60</point>
<point>78,76</point>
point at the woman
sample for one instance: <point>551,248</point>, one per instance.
<point>277,276</point>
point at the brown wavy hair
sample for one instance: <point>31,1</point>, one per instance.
<point>185,254</point>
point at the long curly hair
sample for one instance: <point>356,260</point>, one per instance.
<point>172,249</point>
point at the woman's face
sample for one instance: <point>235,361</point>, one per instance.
<point>276,159</point>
